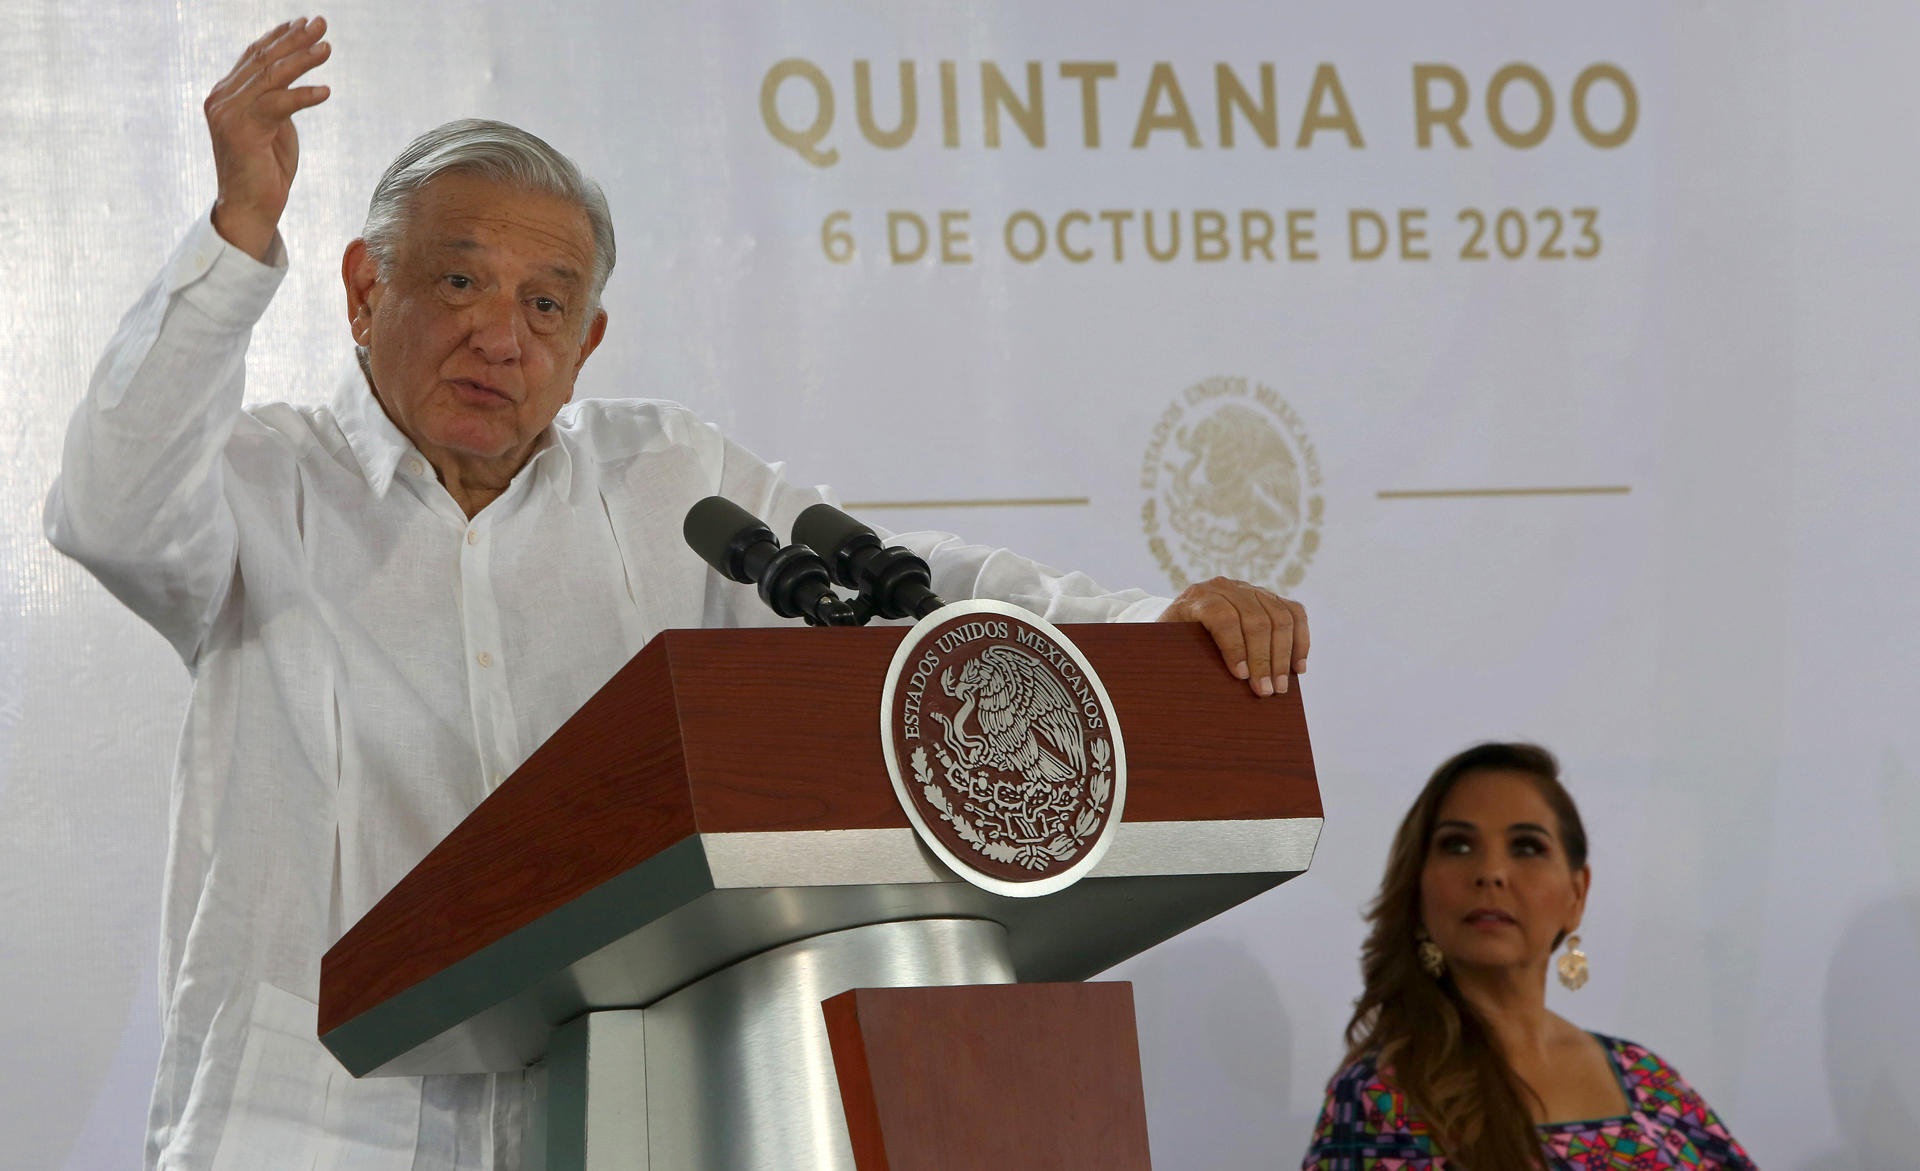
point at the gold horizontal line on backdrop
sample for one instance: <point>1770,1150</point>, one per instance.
<point>1443,493</point>
<point>1004,502</point>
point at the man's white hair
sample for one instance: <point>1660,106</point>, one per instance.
<point>493,150</point>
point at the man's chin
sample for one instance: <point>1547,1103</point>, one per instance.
<point>478,444</point>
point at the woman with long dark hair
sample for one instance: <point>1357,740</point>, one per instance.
<point>1453,1059</point>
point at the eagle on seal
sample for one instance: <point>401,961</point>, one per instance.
<point>1028,723</point>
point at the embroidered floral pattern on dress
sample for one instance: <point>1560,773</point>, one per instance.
<point>1367,1125</point>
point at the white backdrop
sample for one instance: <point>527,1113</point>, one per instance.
<point>1723,653</point>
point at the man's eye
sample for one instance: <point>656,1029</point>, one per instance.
<point>459,280</point>
<point>546,305</point>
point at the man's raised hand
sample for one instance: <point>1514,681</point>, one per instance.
<point>255,148</point>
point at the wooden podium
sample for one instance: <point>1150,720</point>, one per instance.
<point>652,910</point>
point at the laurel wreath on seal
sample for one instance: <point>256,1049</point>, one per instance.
<point>1032,856</point>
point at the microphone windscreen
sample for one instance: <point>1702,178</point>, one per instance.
<point>720,531</point>
<point>825,529</point>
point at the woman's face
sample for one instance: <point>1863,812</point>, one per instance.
<point>1496,890</point>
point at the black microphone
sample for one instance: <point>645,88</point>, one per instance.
<point>792,581</point>
<point>892,580</point>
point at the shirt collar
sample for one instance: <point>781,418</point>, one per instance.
<point>557,455</point>
<point>380,447</point>
<point>375,441</point>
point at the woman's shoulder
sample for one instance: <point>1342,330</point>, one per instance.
<point>1361,1075</point>
<point>1365,1104</point>
<point>1656,1091</point>
<point>1645,1074</point>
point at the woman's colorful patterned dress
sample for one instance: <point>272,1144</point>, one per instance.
<point>1368,1126</point>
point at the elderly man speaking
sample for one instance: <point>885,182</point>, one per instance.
<point>388,602</point>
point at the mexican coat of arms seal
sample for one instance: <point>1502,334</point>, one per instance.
<point>1234,486</point>
<point>1003,748</point>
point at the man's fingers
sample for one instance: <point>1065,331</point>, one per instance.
<point>296,51</point>
<point>281,103</point>
<point>1280,635</point>
<point>1256,629</point>
<point>252,51</point>
<point>256,57</point>
<point>245,68</point>
<point>1241,629</point>
<point>1222,621</point>
<point>1262,636</point>
<point>288,69</point>
<point>1300,639</point>
<point>252,100</point>
<point>296,36</point>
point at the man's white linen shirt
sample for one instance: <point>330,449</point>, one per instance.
<point>367,665</point>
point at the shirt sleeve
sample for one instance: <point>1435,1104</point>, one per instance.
<point>1364,1124</point>
<point>1723,1151</point>
<point>140,496</point>
<point>1663,1095</point>
<point>960,570</point>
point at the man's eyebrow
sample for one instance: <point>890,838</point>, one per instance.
<point>462,244</point>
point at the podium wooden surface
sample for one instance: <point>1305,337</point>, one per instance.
<point>726,792</point>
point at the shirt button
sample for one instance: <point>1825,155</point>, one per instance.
<point>473,536</point>
<point>416,467</point>
<point>484,659</point>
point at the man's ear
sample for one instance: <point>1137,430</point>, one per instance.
<point>361,275</point>
<point>596,331</point>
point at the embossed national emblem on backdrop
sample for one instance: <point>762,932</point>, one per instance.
<point>1233,487</point>
<point>1003,748</point>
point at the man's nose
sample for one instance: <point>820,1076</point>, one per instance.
<point>494,329</point>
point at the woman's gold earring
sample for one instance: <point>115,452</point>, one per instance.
<point>1432,961</point>
<point>1573,965</point>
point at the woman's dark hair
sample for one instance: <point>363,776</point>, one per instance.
<point>1439,1051</point>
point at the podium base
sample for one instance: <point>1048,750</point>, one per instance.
<point>734,1072</point>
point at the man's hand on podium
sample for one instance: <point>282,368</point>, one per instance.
<point>1261,635</point>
